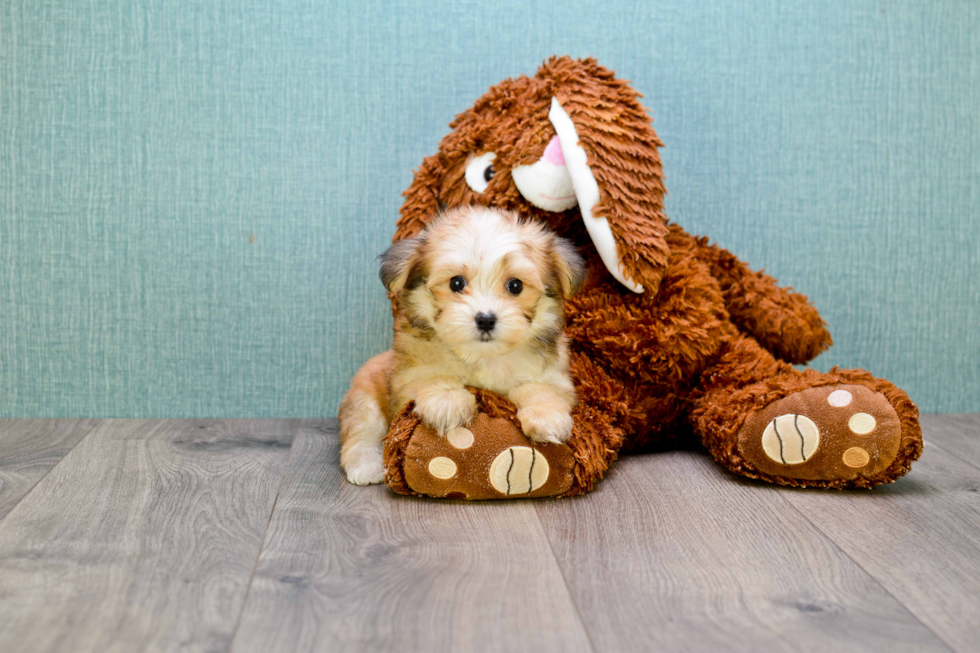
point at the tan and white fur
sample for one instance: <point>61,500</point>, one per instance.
<point>479,300</point>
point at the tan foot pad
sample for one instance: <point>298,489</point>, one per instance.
<point>825,433</point>
<point>489,459</point>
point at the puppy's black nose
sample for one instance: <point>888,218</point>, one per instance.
<point>485,322</point>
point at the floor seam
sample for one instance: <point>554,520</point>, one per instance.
<point>933,443</point>
<point>265,535</point>
<point>564,580</point>
<point>874,578</point>
<point>95,425</point>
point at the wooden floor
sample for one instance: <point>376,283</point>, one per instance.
<point>126,535</point>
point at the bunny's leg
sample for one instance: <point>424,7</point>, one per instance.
<point>845,428</point>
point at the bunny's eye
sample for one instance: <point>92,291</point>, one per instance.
<point>479,171</point>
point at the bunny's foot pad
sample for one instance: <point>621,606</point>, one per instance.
<point>490,458</point>
<point>832,432</point>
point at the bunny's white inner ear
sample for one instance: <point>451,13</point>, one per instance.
<point>587,193</point>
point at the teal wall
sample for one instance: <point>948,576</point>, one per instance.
<point>192,193</point>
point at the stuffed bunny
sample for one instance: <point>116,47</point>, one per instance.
<point>671,337</point>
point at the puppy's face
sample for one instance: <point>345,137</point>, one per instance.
<point>483,282</point>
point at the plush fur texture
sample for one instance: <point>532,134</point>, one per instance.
<point>707,343</point>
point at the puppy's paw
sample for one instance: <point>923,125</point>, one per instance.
<point>545,424</point>
<point>447,409</point>
<point>364,466</point>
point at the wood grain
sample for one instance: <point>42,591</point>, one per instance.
<point>360,569</point>
<point>673,554</point>
<point>29,448</point>
<point>144,538</point>
<point>144,535</point>
<point>919,538</point>
<point>958,435</point>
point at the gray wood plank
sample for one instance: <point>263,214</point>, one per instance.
<point>920,538</point>
<point>958,435</point>
<point>673,554</point>
<point>144,538</point>
<point>29,448</point>
<point>350,568</point>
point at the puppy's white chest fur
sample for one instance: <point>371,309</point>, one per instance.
<point>501,374</point>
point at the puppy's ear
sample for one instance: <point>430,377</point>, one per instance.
<point>611,152</point>
<point>568,265</point>
<point>398,263</point>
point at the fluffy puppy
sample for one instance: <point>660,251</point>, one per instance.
<point>479,298</point>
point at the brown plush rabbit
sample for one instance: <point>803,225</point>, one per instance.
<point>671,337</point>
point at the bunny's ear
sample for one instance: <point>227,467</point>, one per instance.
<point>421,199</point>
<point>610,149</point>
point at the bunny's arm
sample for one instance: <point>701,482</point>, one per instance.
<point>782,321</point>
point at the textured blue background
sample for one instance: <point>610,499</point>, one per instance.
<point>192,194</point>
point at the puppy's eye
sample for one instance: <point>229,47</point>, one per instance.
<point>479,171</point>
<point>514,286</point>
<point>456,284</point>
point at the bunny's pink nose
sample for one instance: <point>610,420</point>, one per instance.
<point>553,153</point>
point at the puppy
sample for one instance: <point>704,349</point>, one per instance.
<point>479,302</point>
